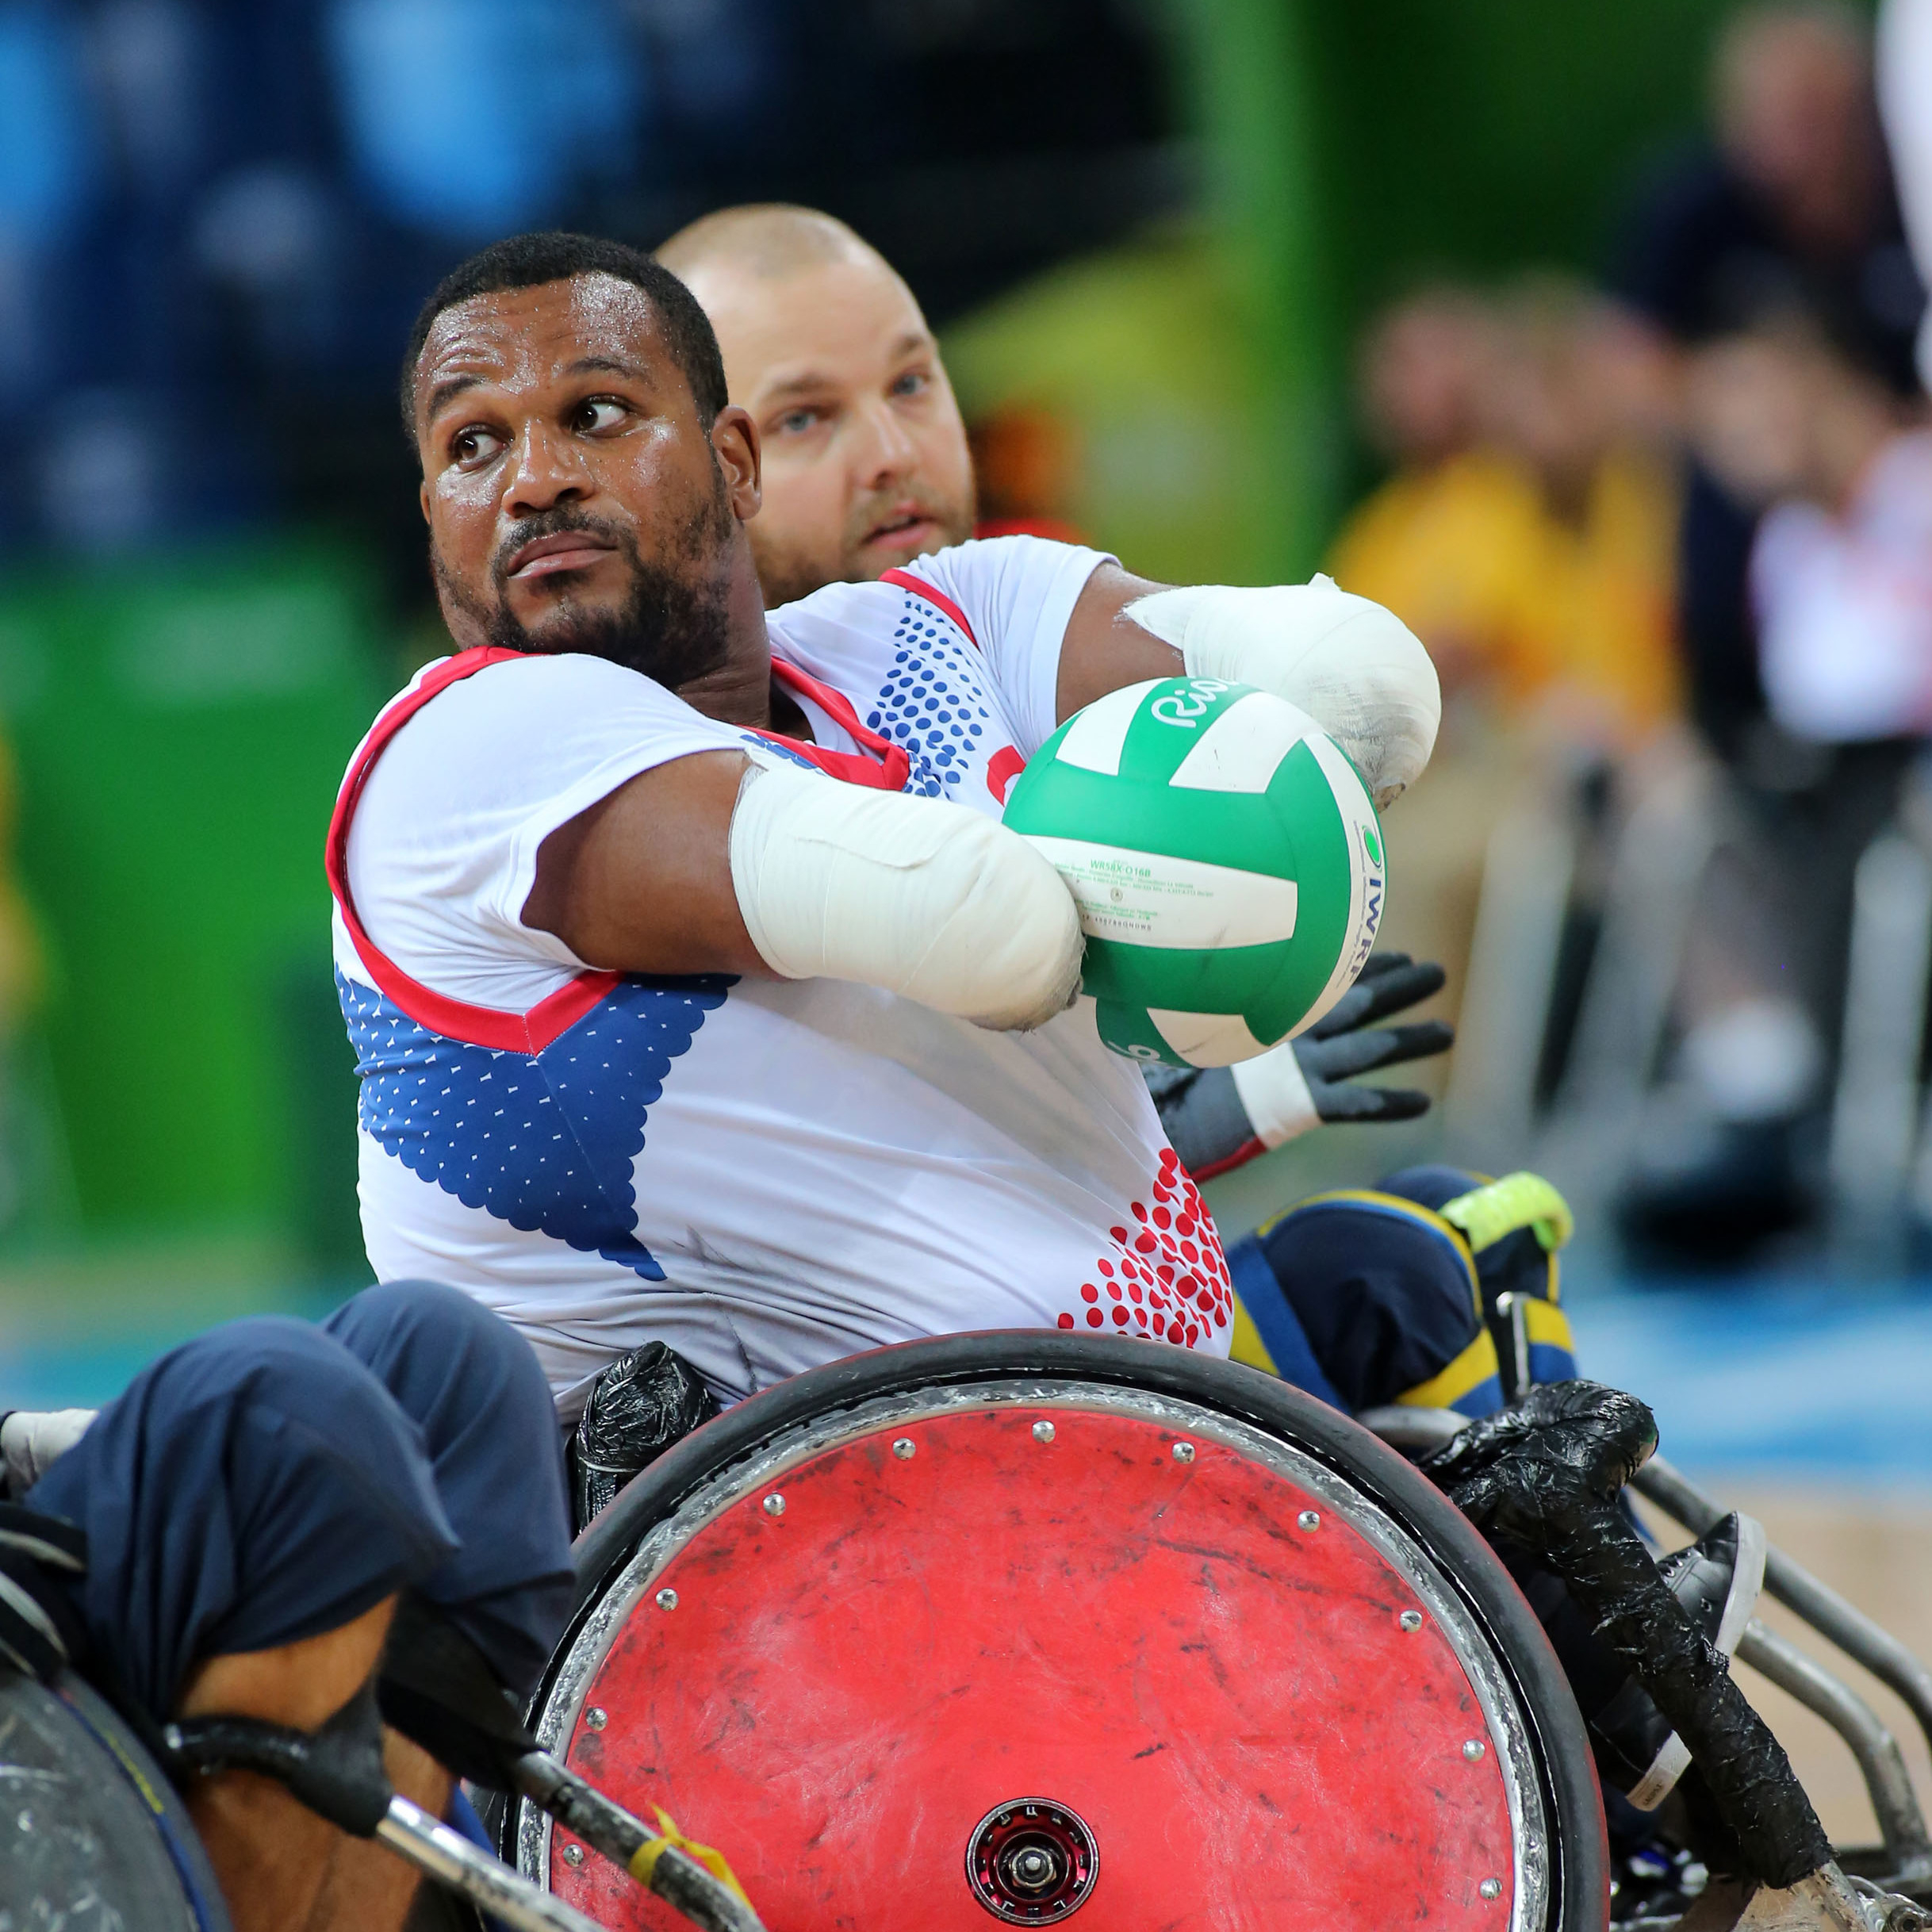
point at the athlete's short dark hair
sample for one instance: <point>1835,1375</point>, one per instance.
<point>528,261</point>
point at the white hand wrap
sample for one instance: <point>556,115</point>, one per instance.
<point>33,1440</point>
<point>921,898</point>
<point>1357,669</point>
<point>1275,1094</point>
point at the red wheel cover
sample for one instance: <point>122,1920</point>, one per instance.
<point>1260,1721</point>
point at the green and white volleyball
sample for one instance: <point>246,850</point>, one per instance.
<point>1225,857</point>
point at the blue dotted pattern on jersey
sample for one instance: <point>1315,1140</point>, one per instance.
<point>545,1141</point>
<point>930,703</point>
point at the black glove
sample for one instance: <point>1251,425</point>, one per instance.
<point>1347,1042</point>
<point>1218,1116</point>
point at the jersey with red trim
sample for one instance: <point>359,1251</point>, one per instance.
<point>765,1174</point>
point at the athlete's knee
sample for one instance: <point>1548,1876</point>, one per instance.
<point>442,1355</point>
<point>471,1386</point>
<point>1379,1293</point>
<point>393,1317</point>
<point>273,1363</point>
<point>1437,1288</point>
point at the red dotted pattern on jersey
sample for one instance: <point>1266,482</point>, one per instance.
<point>1166,1278</point>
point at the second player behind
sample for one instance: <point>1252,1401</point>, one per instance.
<point>866,468</point>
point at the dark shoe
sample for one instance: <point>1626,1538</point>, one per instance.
<point>1718,1580</point>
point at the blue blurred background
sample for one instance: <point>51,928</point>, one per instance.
<point>1546,325</point>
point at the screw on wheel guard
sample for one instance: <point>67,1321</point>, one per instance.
<point>437,1688</point>
<point>1271,1674</point>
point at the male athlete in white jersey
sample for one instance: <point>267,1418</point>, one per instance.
<point>700,994</point>
<point>866,467</point>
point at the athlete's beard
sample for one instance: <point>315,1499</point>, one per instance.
<point>673,626</point>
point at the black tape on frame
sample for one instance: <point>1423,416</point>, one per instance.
<point>1546,1475</point>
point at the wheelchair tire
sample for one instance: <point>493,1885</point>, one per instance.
<point>92,1833</point>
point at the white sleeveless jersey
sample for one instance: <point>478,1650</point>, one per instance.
<point>765,1174</point>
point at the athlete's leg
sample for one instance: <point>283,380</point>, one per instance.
<point>254,1503</point>
<point>274,1858</point>
<point>470,1383</point>
<point>1365,1296</point>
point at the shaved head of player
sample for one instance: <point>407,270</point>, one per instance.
<point>866,465</point>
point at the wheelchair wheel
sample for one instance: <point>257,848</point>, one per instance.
<point>91,1833</point>
<point>1014,1626</point>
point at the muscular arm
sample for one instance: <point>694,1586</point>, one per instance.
<point>1104,650</point>
<point>711,864</point>
<point>641,882</point>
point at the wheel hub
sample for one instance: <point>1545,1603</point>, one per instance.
<point>1031,1861</point>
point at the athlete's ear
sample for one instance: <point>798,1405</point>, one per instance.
<point>734,438</point>
<point>422,498</point>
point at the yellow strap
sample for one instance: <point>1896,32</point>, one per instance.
<point>1485,1214</point>
<point>1548,1325</point>
<point>1248,1347</point>
<point>644,1861</point>
<point>1476,1364</point>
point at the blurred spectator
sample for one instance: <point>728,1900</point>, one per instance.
<point>1526,534</point>
<point>1790,206</point>
<point>556,85</point>
<point>1424,543</point>
<point>51,170</point>
<point>1793,202</point>
<point>1841,569</point>
<point>1801,422</point>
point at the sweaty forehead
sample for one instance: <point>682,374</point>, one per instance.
<point>529,336</point>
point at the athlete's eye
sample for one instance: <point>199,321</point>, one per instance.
<point>471,448</point>
<point>797,422</point>
<point>911,383</point>
<point>598,413</point>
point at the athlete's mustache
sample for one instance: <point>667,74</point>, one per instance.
<point>553,523</point>
<point>874,511</point>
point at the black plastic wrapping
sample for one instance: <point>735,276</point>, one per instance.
<point>1546,1476</point>
<point>639,1406</point>
<point>336,1771</point>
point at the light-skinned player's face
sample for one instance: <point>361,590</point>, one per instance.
<point>865,465</point>
<point>574,499</point>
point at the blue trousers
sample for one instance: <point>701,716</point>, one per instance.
<point>270,1481</point>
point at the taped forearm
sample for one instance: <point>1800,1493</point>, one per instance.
<point>1356,668</point>
<point>922,898</point>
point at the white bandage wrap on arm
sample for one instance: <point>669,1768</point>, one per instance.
<point>924,898</point>
<point>1275,1093</point>
<point>1357,669</point>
